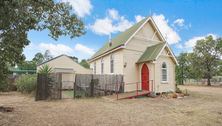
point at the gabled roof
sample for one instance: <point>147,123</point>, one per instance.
<point>151,53</point>
<point>120,39</point>
<point>50,60</point>
<point>60,56</point>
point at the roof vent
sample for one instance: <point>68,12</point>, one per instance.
<point>110,42</point>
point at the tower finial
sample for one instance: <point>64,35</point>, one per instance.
<point>150,12</point>
<point>166,37</point>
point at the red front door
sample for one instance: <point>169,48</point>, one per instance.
<point>145,77</point>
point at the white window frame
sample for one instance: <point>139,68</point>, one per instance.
<point>111,59</point>
<point>94,68</point>
<point>166,73</point>
<point>102,66</point>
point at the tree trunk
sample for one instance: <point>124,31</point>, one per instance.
<point>182,74</point>
<point>208,81</point>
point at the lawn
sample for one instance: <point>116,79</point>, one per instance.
<point>204,107</point>
<point>70,93</point>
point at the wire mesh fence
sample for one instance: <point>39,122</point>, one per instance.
<point>89,85</point>
<point>217,81</point>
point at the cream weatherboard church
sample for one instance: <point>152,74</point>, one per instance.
<point>140,54</point>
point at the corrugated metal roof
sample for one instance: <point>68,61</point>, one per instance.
<point>120,39</point>
<point>151,53</point>
<point>64,70</point>
<point>23,71</point>
<point>50,60</point>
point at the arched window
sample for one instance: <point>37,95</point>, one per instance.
<point>111,64</point>
<point>94,69</point>
<point>101,65</point>
<point>164,72</point>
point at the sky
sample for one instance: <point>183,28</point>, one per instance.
<point>182,22</point>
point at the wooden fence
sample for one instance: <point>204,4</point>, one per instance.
<point>89,85</point>
<point>48,86</point>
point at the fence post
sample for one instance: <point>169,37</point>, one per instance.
<point>117,92</point>
<point>105,90</point>
<point>137,88</point>
<point>123,87</point>
<point>74,93</point>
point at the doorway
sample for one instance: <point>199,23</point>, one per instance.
<point>145,77</point>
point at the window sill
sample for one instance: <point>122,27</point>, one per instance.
<point>165,82</point>
<point>111,73</point>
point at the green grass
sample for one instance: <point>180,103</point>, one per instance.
<point>71,93</point>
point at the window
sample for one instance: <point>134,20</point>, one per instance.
<point>111,64</point>
<point>101,65</point>
<point>94,69</point>
<point>164,72</point>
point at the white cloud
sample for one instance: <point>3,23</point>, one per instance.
<point>179,22</point>
<point>192,42</point>
<point>179,46</point>
<point>112,23</point>
<point>55,49</point>
<point>31,46</point>
<point>84,49</point>
<point>139,18</point>
<point>172,36</point>
<point>81,7</point>
<point>113,14</point>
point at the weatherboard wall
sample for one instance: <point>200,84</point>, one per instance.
<point>133,51</point>
<point>170,85</point>
<point>118,63</point>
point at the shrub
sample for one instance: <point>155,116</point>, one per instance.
<point>26,83</point>
<point>45,69</point>
<point>4,84</point>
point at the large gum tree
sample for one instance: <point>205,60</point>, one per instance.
<point>205,58</point>
<point>18,17</point>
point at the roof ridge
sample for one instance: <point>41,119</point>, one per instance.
<point>157,44</point>
<point>120,39</point>
<point>151,53</point>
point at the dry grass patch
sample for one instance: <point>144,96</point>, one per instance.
<point>204,107</point>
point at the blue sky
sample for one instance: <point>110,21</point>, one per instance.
<point>183,22</point>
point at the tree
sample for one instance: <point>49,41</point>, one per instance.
<point>205,58</point>
<point>3,74</point>
<point>74,58</point>
<point>47,56</point>
<point>18,17</point>
<point>39,58</point>
<point>219,45</point>
<point>27,65</point>
<point>84,63</point>
<point>182,70</point>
